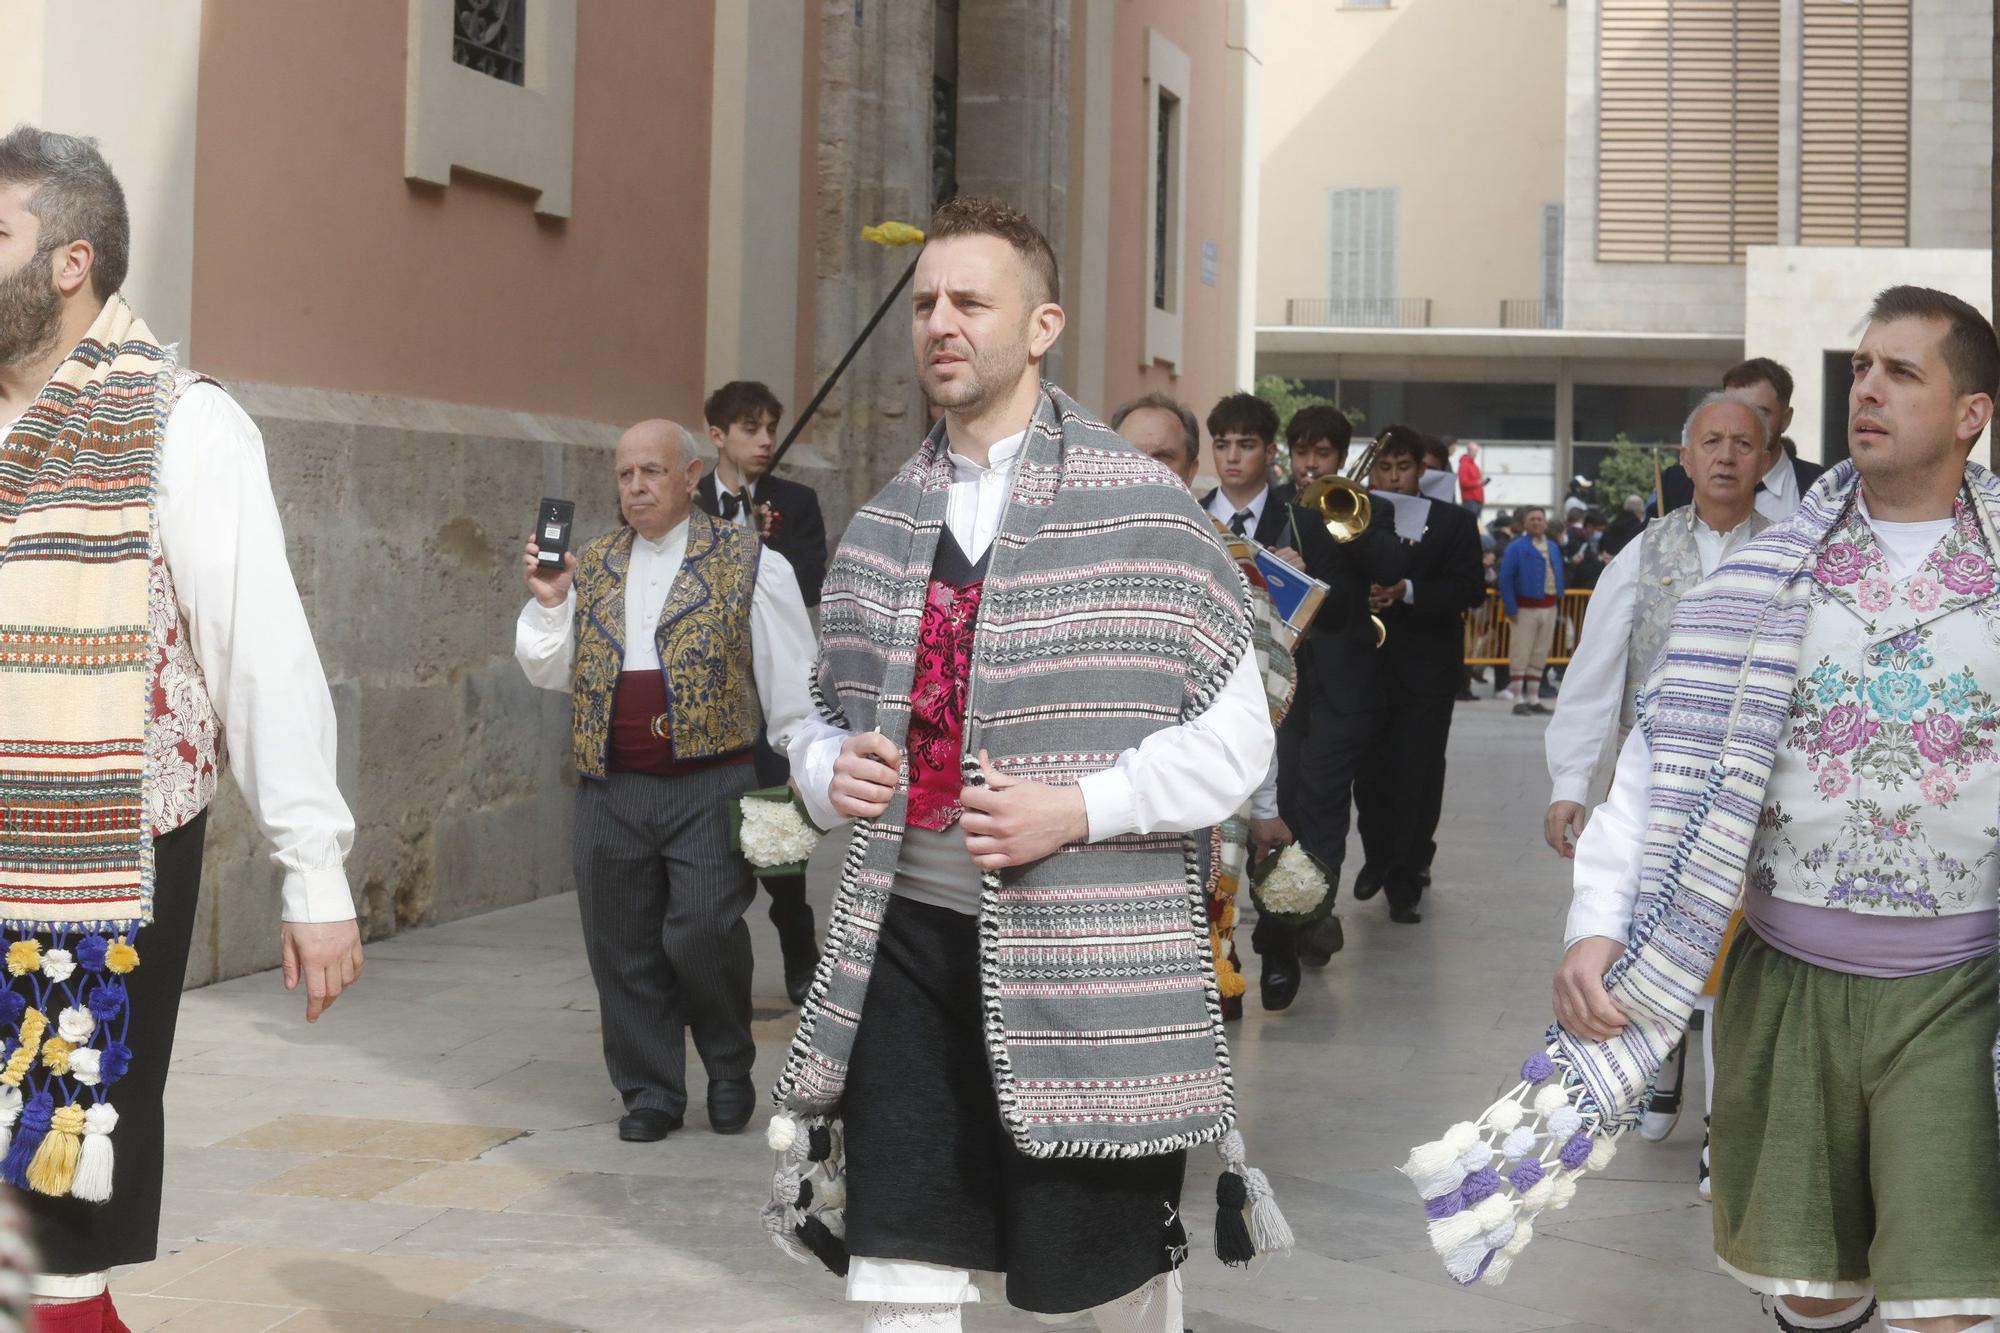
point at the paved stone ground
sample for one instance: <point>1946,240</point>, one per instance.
<point>437,1153</point>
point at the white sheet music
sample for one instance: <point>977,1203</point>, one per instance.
<point>1413,512</point>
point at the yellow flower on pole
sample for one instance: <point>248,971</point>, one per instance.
<point>892,234</point>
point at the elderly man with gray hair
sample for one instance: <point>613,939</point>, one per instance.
<point>676,635</point>
<point>1723,447</point>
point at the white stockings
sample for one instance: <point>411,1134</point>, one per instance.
<point>1153,1308</point>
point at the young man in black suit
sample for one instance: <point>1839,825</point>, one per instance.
<point>743,418</point>
<point>1422,662</point>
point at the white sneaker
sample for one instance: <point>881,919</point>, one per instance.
<point>1507,696</point>
<point>1655,1125</point>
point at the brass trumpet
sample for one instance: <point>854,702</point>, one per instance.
<point>1342,502</point>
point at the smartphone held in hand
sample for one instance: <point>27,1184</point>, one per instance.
<point>552,526</point>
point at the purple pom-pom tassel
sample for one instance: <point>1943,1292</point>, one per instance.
<point>1537,1068</point>
<point>1480,1185</point>
<point>115,1062</point>
<point>1527,1175</point>
<point>13,1006</point>
<point>28,1135</point>
<point>107,1001</point>
<point>1443,1206</point>
<point>90,952</point>
<point>1577,1151</point>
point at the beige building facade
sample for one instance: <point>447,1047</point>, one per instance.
<point>444,250</point>
<point>1734,179</point>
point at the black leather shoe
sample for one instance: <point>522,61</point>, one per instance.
<point>1279,984</point>
<point>1367,884</point>
<point>1405,916</point>
<point>799,977</point>
<point>731,1103</point>
<point>647,1125</point>
<point>1320,941</point>
<point>1424,881</point>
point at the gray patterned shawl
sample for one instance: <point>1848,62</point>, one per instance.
<point>1109,612</point>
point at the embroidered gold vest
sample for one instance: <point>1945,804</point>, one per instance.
<point>703,639</point>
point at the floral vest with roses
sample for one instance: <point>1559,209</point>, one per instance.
<point>1884,797</point>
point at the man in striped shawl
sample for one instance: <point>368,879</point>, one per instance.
<point>1038,698</point>
<point>1820,738</point>
<point>148,628</point>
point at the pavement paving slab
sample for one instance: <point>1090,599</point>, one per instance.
<point>438,1154</point>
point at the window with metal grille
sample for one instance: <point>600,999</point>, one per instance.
<point>1854,123</point>
<point>1687,130</point>
<point>1361,260</point>
<point>487,36</point>
<point>1552,265</point>
<point>1166,191</point>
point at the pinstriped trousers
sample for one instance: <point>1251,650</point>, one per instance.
<point>662,894</point>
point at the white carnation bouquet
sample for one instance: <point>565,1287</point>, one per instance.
<point>772,832</point>
<point>1292,887</point>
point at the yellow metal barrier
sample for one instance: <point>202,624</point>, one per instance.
<point>1488,631</point>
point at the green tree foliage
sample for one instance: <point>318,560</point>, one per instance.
<point>1288,396</point>
<point>1628,470</point>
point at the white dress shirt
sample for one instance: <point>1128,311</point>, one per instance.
<point>1780,498</point>
<point>1220,506</point>
<point>781,637</point>
<point>1593,685</point>
<point>225,549</point>
<point>1612,850</point>
<point>1179,778</point>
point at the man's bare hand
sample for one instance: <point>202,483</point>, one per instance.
<point>1562,826</point>
<point>1583,1005</point>
<point>325,955</point>
<point>1290,557</point>
<point>1267,836</point>
<point>550,587</point>
<point>865,776</point>
<point>1381,597</point>
<point>1009,822</point>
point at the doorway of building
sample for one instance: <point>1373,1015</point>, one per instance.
<point>1836,382</point>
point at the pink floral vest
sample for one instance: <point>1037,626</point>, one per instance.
<point>937,697</point>
<point>185,755</point>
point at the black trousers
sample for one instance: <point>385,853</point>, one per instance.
<point>662,895</point>
<point>1401,803</point>
<point>1338,737</point>
<point>789,911</point>
<point>72,1236</point>
<point>933,1175</point>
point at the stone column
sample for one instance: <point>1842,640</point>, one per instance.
<point>1013,114</point>
<point>874,164</point>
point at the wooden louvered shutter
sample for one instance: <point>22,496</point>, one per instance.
<point>1687,129</point>
<point>1854,124</point>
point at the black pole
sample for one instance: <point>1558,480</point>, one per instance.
<point>854,349</point>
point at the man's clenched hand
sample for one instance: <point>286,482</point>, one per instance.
<point>325,955</point>
<point>1009,822</point>
<point>864,776</point>
<point>1583,1005</point>
<point>1562,826</point>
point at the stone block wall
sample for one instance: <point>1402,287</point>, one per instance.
<point>1951,124</point>
<point>404,523</point>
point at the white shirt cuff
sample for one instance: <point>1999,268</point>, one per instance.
<point>311,896</point>
<point>547,619</point>
<point>1109,803</point>
<point>1409,593</point>
<point>1571,788</point>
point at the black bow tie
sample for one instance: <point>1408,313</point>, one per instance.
<point>1761,488</point>
<point>731,505</point>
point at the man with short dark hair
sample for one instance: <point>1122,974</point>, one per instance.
<point>1786,477</point>
<point>743,418</point>
<point>1316,439</point>
<point>1818,738</point>
<point>1422,666</point>
<point>979,1079</point>
<point>149,629</point>
<point>1243,436</point>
